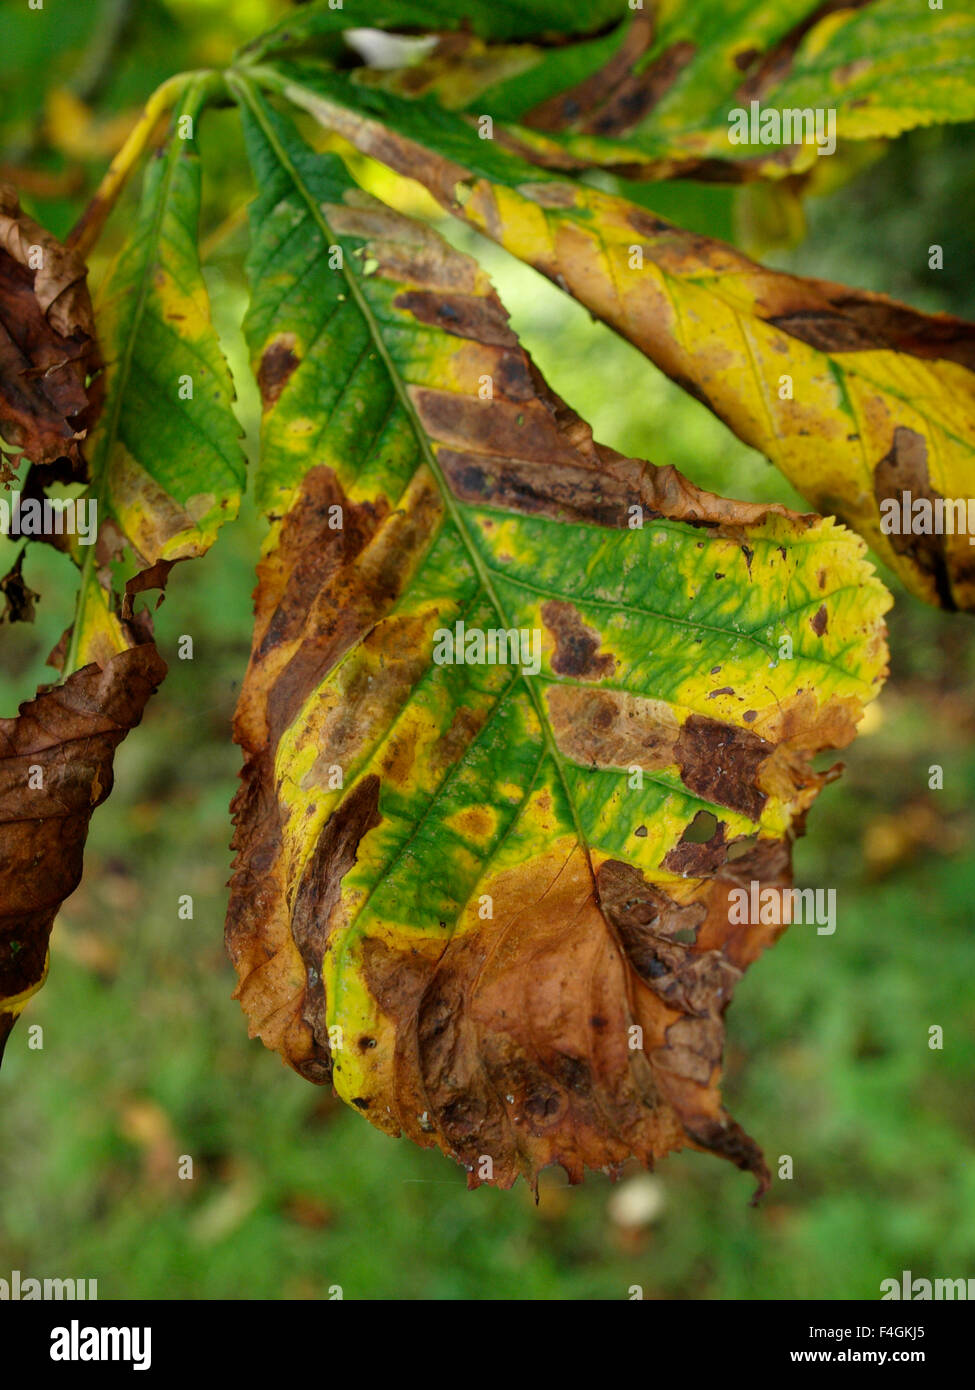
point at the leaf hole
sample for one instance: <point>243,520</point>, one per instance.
<point>701,829</point>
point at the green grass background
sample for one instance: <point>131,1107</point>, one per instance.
<point>146,1057</point>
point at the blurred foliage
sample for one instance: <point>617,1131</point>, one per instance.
<point>145,1056</point>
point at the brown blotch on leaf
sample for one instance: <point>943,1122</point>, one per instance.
<point>638,94</point>
<point>155,577</point>
<point>567,493</point>
<point>819,620</point>
<point>576,644</point>
<point>567,109</point>
<point>277,364</point>
<point>317,894</point>
<point>905,469</point>
<point>843,320</point>
<point>306,588</point>
<point>646,918</point>
<point>720,762</point>
<point>479,317</point>
<point>611,728</point>
<point>522,430</point>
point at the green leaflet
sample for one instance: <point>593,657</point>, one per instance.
<point>166,464</point>
<point>439,858</point>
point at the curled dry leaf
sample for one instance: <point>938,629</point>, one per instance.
<point>48,348</point>
<point>475,895</point>
<point>55,768</point>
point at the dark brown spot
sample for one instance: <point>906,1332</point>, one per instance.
<point>638,94</point>
<point>719,762</point>
<point>576,644</point>
<point>277,364</point>
<point>851,321</point>
<point>556,113</point>
<point>567,493</point>
<point>818,621</point>
<point>476,316</point>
